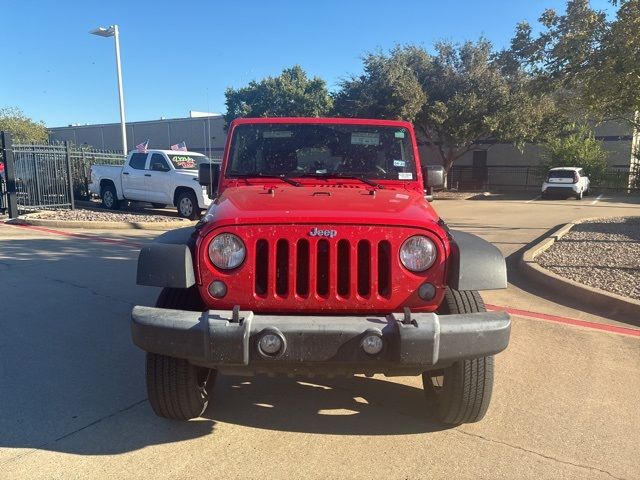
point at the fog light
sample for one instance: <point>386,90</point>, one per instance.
<point>427,291</point>
<point>217,289</point>
<point>270,343</point>
<point>372,344</point>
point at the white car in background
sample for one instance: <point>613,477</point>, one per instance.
<point>159,177</point>
<point>566,182</point>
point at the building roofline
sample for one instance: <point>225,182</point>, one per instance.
<point>142,122</point>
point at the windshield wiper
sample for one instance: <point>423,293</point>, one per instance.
<point>282,177</point>
<point>340,175</point>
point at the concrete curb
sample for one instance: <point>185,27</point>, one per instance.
<point>100,225</point>
<point>595,297</point>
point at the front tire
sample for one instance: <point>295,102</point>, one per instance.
<point>110,197</point>
<point>187,204</point>
<point>460,393</point>
<point>177,389</point>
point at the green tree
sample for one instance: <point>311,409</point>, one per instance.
<point>291,93</point>
<point>21,127</point>
<point>590,64</point>
<point>460,95</point>
<point>577,149</point>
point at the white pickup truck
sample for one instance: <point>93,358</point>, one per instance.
<point>159,177</point>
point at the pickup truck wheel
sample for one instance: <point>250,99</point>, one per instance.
<point>110,197</point>
<point>188,206</point>
<point>460,393</point>
<point>177,389</point>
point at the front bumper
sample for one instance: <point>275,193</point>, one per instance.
<point>319,344</point>
<point>559,189</point>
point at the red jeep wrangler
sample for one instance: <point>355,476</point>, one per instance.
<point>321,254</point>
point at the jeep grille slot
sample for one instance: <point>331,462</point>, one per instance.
<point>384,268</point>
<point>302,267</point>
<point>322,267</point>
<point>282,267</point>
<point>364,268</point>
<point>343,268</point>
<point>262,267</point>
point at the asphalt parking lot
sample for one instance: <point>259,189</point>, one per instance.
<point>73,400</point>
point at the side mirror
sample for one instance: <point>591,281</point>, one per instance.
<point>433,177</point>
<point>208,175</point>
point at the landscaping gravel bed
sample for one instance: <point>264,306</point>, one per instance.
<point>454,195</point>
<point>603,253</point>
<point>84,215</point>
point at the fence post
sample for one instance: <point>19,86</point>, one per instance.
<point>70,175</point>
<point>85,176</point>
<point>10,174</point>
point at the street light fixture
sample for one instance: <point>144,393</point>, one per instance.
<point>113,31</point>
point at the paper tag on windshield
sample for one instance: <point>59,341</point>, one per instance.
<point>399,134</point>
<point>399,163</point>
<point>405,176</point>
<point>365,138</point>
<point>277,134</point>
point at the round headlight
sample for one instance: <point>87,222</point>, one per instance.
<point>227,251</point>
<point>418,253</point>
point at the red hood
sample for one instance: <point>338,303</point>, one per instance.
<point>346,204</point>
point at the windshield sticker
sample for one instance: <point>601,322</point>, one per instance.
<point>405,176</point>
<point>399,134</point>
<point>365,138</point>
<point>322,171</point>
<point>184,162</point>
<point>399,163</point>
<point>277,134</point>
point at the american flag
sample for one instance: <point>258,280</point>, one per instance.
<point>181,147</point>
<point>142,147</point>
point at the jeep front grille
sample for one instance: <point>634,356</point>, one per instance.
<point>288,270</point>
<point>322,267</point>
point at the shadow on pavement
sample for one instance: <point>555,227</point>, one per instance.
<point>339,406</point>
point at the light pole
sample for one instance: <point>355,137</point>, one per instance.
<point>113,31</point>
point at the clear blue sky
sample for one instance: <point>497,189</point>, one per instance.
<point>180,56</point>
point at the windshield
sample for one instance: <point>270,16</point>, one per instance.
<point>298,150</point>
<point>187,161</point>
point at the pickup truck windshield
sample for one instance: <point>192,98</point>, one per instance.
<point>319,150</point>
<point>186,162</point>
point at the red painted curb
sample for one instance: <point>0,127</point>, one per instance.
<point>632,332</point>
<point>77,235</point>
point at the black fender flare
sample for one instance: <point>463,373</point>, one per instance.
<point>168,260</point>
<point>475,264</point>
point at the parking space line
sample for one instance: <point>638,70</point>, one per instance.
<point>83,236</point>
<point>597,198</point>
<point>533,199</point>
<point>631,332</point>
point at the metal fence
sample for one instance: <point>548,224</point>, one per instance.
<point>42,177</point>
<point>81,161</point>
<point>47,176</point>
<point>512,177</point>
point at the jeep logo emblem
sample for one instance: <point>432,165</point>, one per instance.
<point>316,232</point>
